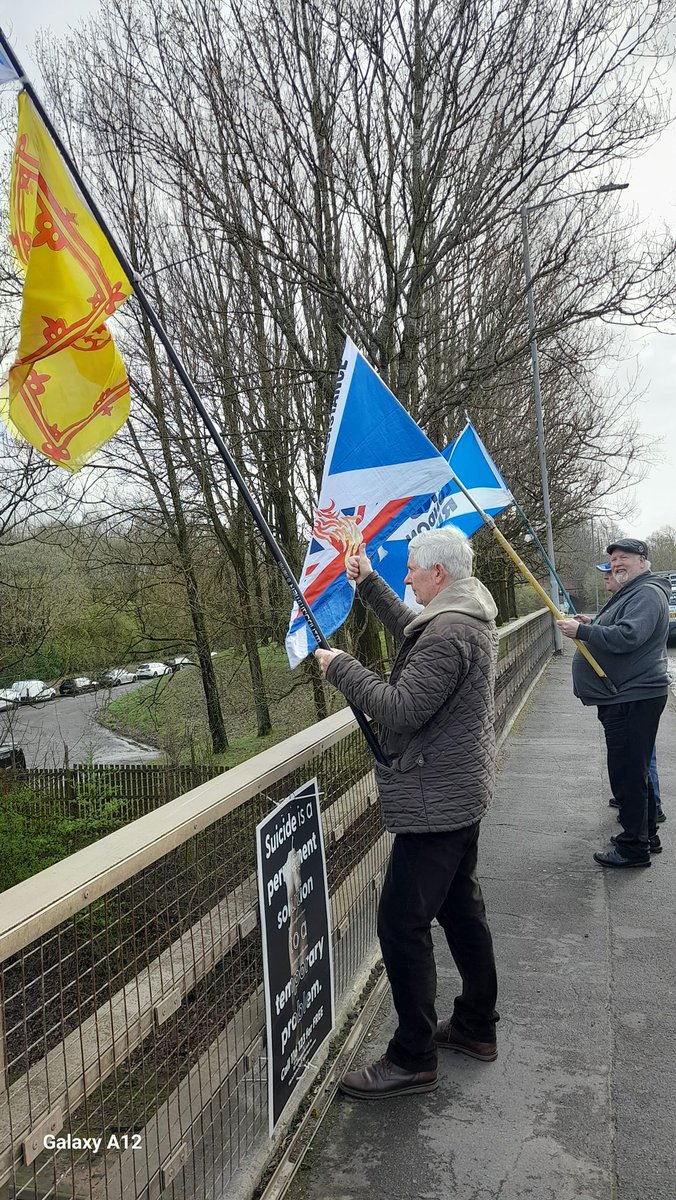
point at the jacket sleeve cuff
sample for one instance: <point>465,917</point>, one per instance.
<point>333,669</point>
<point>583,632</point>
<point>366,584</point>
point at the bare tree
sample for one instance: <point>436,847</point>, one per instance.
<point>362,164</point>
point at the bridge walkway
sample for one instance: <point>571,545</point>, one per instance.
<point>581,1101</point>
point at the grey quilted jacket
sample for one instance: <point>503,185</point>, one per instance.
<point>436,713</point>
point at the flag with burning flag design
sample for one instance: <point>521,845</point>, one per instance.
<point>379,469</point>
<point>68,388</point>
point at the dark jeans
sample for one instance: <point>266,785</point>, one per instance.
<point>434,875</point>
<point>630,731</point>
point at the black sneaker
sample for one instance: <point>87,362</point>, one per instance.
<point>661,816</point>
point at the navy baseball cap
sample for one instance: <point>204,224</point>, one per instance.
<point>603,567</point>
<point>631,545</point>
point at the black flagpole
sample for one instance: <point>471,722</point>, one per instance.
<point>188,384</point>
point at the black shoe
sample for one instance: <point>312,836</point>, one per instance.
<point>655,844</point>
<point>611,858</point>
<point>613,802</point>
<point>452,1039</point>
<point>384,1078</point>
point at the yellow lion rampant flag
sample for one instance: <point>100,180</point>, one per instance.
<point>68,388</point>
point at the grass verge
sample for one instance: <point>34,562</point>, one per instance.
<point>170,712</point>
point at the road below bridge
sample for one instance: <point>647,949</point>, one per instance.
<point>42,731</point>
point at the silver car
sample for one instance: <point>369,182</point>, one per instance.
<point>115,676</point>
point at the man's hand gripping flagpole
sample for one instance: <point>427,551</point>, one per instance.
<point>357,567</point>
<point>518,562</point>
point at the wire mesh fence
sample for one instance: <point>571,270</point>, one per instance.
<point>524,648</point>
<point>137,788</point>
<point>132,1055</point>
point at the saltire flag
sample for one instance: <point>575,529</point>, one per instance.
<point>68,389</point>
<point>379,469</point>
<point>7,72</point>
<point>474,467</point>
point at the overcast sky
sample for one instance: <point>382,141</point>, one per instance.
<point>652,192</point>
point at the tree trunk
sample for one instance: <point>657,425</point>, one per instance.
<point>177,526</point>
<point>365,630</point>
<point>318,694</point>
<point>263,722</point>
<point>511,595</point>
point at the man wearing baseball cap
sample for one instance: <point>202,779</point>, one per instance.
<point>629,640</point>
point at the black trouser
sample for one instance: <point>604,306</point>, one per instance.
<point>630,731</point>
<point>434,875</point>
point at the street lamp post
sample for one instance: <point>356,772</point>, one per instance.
<point>537,394</point>
<point>596,574</point>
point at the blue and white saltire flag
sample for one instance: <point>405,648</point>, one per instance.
<point>7,71</point>
<point>379,469</point>
<point>474,467</point>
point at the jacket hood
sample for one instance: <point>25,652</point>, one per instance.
<point>641,581</point>
<point>466,596</point>
<point>660,580</point>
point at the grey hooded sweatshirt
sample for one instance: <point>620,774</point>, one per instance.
<point>436,713</point>
<point>629,640</point>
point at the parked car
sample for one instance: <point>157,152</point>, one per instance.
<point>180,660</point>
<point>29,690</point>
<point>115,676</point>
<point>81,683</point>
<point>670,578</point>
<point>151,670</point>
<point>12,756</point>
<point>8,699</point>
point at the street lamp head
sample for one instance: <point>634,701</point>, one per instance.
<point>604,187</point>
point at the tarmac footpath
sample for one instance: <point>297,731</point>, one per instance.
<point>581,1103</point>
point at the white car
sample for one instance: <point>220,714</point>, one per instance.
<point>151,670</point>
<point>8,699</point>
<point>28,690</point>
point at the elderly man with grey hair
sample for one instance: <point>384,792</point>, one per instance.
<point>436,716</point>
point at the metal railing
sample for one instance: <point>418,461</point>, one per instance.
<point>132,1057</point>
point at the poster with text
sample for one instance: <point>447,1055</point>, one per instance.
<point>296,932</point>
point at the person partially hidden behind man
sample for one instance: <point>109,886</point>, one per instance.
<point>629,640</point>
<point>436,716</point>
